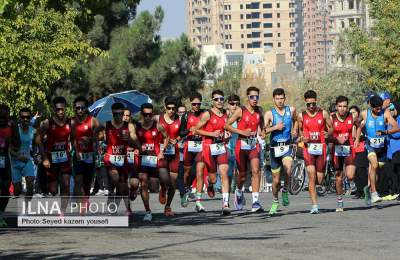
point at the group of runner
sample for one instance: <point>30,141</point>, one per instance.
<point>144,155</point>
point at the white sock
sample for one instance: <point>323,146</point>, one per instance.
<point>255,196</point>
<point>225,198</point>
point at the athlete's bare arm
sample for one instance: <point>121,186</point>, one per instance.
<point>390,120</point>
<point>294,122</point>
<point>300,127</point>
<point>359,128</point>
<point>42,130</point>
<point>328,122</point>
<point>232,119</point>
<point>203,121</point>
<point>161,129</point>
<point>133,141</point>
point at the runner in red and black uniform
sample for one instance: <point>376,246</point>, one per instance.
<point>249,123</point>
<point>150,135</point>
<point>169,165</point>
<point>56,156</point>
<point>119,135</point>
<point>9,140</point>
<point>312,125</point>
<point>193,143</point>
<point>83,135</point>
<point>131,157</point>
<point>212,127</point>
<point>343,153</point>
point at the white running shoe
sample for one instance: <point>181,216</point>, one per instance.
<point>148,217</point>
<point>100,193</point>
<point>375,197</point>
<point>106,192</point>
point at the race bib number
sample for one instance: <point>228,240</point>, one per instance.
<point>86,157</point>
<point>315,149</point>
<point>279,151</point>
<point>248,144</point>
<point>117,160</point>
<point>59,157</point>
<point>169,150</point>
<point>377,142</point>
<point>149,161</point>
<point>342,150</point>
<point>217,149</point>
<point>2,162</point>
<point>195,146</point>
<point>130,157</point>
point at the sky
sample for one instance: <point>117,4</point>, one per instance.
<point>174,16</point>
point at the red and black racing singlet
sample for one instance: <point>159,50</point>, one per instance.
<point>116,146</point>
<point>249,120</point>
<point>58,145</point>
<point>172,131</point>
<point>192,121</point>
<point>84,129</point>
<point>343,128</point>
<point>213,124</point>
<point>313,127</point>
<point>149,139</point>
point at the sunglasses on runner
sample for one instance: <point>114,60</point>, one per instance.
<point>25,117</point>
<point>312,104</point>
<point>80,108</point>
<point>170,108</point>
<point>147,114</point>
<point>219,99</point>
<point>235,103</point>
<point>254,97</point>
<point>196,104</point>
<point>60,109</point>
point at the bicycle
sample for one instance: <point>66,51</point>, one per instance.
<point>298,173</point>
<point>328,182</point>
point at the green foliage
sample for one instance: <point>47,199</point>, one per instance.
<point>38,47</point>
<point>347,82</point>
<point>229,80</point>
<point>210,67</point>
<point>139,60</point>
<point>379,49</point>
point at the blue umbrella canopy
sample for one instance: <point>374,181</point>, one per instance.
<point>131,99</point>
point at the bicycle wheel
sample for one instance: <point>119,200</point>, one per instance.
<point>297,178</point>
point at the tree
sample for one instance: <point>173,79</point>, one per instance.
<point>378,50</point>
<point>347,82</point>
<point>138,59</point>
<point>210,67</point>
<point>38,47</point>
<point>229,80</point>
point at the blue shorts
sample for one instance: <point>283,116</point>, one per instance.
<point>380,153</point>
<point>21,169</point>
<point>276,162</point>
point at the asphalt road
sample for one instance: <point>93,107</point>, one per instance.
<point>356,233</point>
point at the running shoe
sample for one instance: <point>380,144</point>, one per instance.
<point>395,197</point>
<point>210,191</point>
<point>106,192</point>
<point>375,198</point>
<point>274,208</point>
<point>199,207</point>
<point>256,207</point>
<point>185,199</point>
<point>314,209</point>
<point>162,196</point>
<point>3,223</point>
<point>226,210</point>
<point>339,206</point>
<point>239,201</point>
<point>367,196</point>
<point>168,212</point>
<point>148,217</point>
<point>285,198</point>
<point>100,193</point>
<point>387,198</point>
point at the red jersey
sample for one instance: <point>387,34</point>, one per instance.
<point>5,135</point>
<point>249,120</point>
<point>116,147</point>
<point>314,127</point>
<point>149,139</point>
<point>343,128</point>
<point>84,129</point>
<point>58,138</point>
<point>172,131</point>
<point>213,124</point>
<point>192,121</point>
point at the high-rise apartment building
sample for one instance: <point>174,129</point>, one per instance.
<point>248,26</point>
<point>343,14</point>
